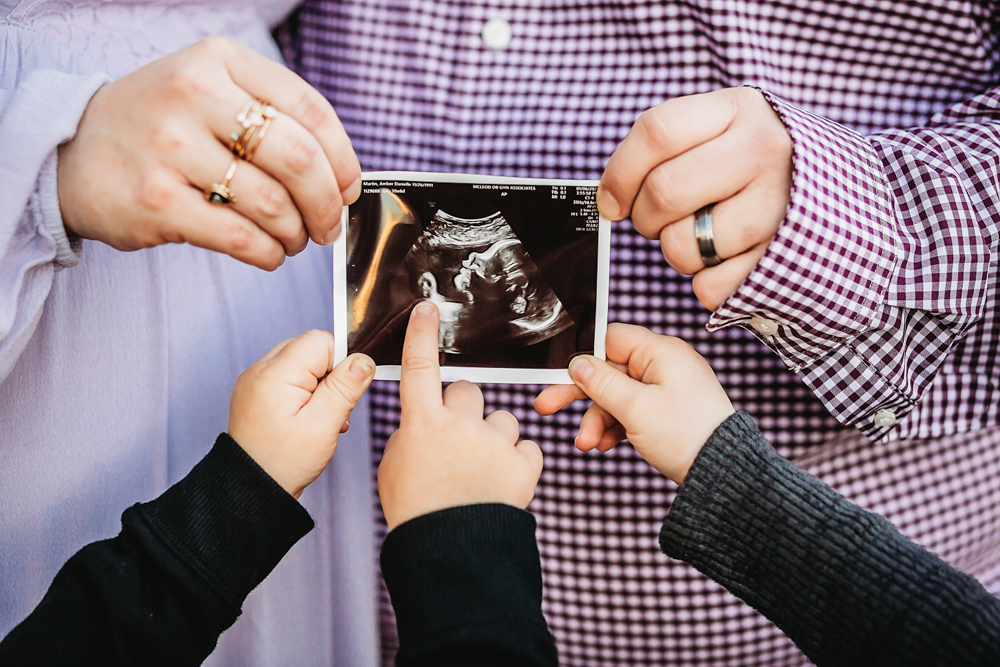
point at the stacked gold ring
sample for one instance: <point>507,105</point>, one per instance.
<point>254,119</point>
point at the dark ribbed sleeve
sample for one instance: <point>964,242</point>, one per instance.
<point>842,582</point>
<point>466,585</point>
<point>164,589</point>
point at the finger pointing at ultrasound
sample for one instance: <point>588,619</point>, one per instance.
<point>216,146</point>
<point>445,453</point>
<point>710,177</point>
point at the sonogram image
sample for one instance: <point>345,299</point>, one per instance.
<point>512,271</point>
<point>486,287</point>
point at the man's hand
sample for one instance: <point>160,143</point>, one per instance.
<point>150,143</point>
<point>289,408</point>
<point>726,147</point>
<point>444,453</point>
<point>657,391</point>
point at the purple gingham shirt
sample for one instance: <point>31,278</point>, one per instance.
<point>884,266</point>
<point>879,279</point>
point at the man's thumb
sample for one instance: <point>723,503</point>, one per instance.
<point>342,388</point>
<point>607,386</point>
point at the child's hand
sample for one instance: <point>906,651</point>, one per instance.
<point>289,408</point>
<point>658,392</point>
<point>444,453</point>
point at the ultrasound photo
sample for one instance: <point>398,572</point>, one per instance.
<point>517,268</point>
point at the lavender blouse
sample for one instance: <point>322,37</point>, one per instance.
<point>116,368</point>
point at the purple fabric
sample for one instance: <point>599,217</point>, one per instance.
<point>880,278</point>
<point>116,368</point>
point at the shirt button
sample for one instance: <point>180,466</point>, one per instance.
<point>884,418</point>
<point>497,33</point>
<point>764,326</point>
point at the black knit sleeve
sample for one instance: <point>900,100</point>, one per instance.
<point>841,582</point>
<point>466,585</point>
<point>164,589</point>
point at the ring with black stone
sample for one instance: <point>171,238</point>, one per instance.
<point>705,235</point>
<point>220,194</point>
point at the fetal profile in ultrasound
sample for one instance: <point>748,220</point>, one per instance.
<point>486,287</point>
<point>513,272</point>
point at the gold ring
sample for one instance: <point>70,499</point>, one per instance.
<point>236,144</point>
<point>219,194</point>
<point>254,119</point>
<point>268,112</point>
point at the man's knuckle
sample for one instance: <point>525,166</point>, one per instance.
<point>677,249</point>
<point>657,130</point>
<point>662,189</point>
<point>711,293</point>
<point>749,236</point>
<point>766,140</point>
<point>738,97</point>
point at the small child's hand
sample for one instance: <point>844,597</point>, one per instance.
<point>289,408</point>
<point>657,391</point>
<point>444,453</point>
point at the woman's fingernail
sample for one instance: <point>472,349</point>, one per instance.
<point>346,427</point>
<point>352,192</point>
<point>607,204</point>
<point>580,369</point>
<point>424,309</point>
<point>361,368</point>
<point>332,235</point>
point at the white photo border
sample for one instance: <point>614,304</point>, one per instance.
<point>477,374</point>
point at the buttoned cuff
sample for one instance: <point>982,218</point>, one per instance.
<point>824,276</point>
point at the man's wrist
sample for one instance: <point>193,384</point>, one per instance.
<point>824,274</point>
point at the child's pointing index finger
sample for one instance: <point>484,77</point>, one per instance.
<point>420,378</point>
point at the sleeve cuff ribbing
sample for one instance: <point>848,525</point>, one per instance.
<point>229,519</point>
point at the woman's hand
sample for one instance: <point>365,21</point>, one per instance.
<point>444,453</point>
<point>727,148</point>
<point>150,143</point>
<point>290,407</point>
<point>657,391</point>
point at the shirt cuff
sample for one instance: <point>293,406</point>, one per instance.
<point>229,520</point>
<point>68,249</point>
<point>825,274</point>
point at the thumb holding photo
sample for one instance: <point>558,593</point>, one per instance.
<point>654,390</point>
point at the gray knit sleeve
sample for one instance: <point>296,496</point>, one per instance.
<point>841,582</point>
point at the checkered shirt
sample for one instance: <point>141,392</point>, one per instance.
<point>880,278</point>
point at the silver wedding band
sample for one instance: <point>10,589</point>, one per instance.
<point>705,236</point>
